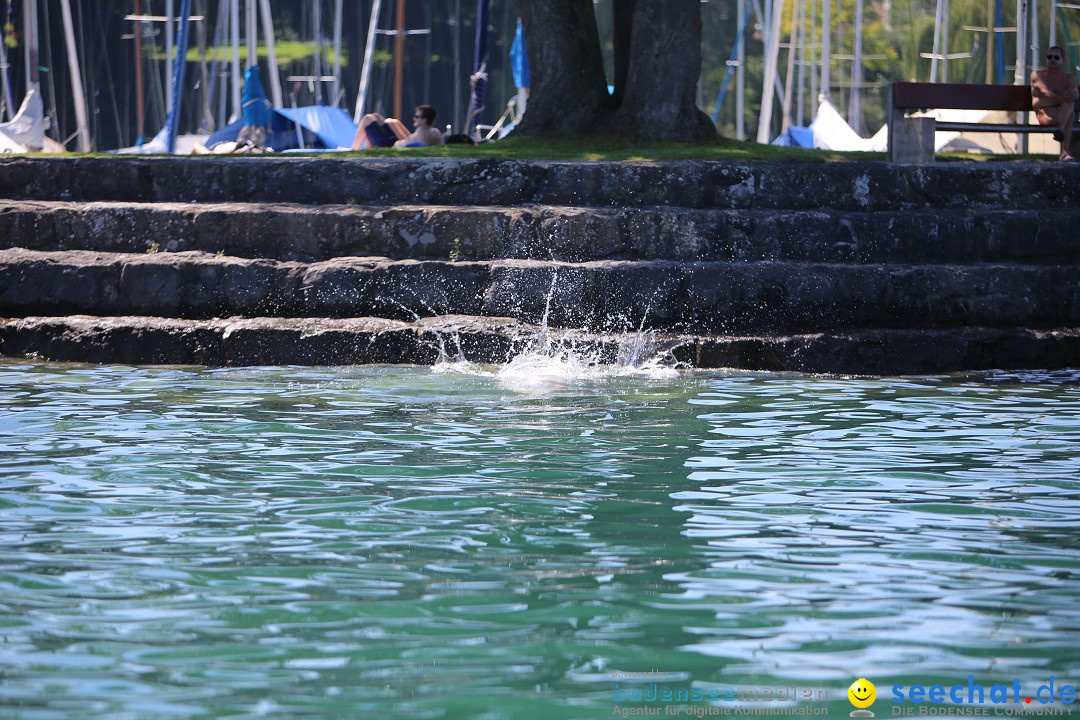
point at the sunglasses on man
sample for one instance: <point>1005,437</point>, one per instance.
<point>1053,57</point>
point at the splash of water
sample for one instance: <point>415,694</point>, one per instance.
<point>549,361</point>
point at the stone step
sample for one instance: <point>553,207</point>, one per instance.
<point>448,181</point>
<point>321,341</point>
<point>290,231</point>
<point>697,297</point>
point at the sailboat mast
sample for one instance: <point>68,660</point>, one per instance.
<point>1020,72</point>
<point>140,97</point>
<point>336,87</point>
<point>234,34</point>
<point>250,33</point>
<point>854,102</point>
<point>793,41</point>
<point>271,53</point>
<point>457,65</point>
<point>772,50</point>
<point>81,118</point>
<point>826,46</point>
<point>33,71</point>
<point>169,69</point>
<point>369,52</point>
<point>317,31</point>
<point>399,57</point>
<point>180,67</point>
<point>740,72</point>
<point>9,101</point>
<point>936,53</point>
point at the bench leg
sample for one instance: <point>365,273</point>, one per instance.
<point>911,139</point>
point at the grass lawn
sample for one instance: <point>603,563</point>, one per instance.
<point>597,149</point>
<point>524,148</point>
<point>606,148</point>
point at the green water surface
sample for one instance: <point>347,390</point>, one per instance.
<point>402,543</point>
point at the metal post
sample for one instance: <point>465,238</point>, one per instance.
<point>399,57</point>
<point>789,78</point>
<point>334,99</point>
<point>169,15</point>
<point>316,21</point>
<point>772,49</point>
<point>250,33</point>
<point>178,81</point>
<point>77,92</point>
<point>937,42</point>
<point>271,53</point>
<point>1020,74</point>
<point>237,83</point>
<point>740,74</point>
<point>369,51</point>
<point>826,46</point>
<point>854,103</point>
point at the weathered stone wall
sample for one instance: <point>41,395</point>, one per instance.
<point>842,267</point>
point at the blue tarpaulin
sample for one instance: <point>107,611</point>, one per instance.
<point>311,127</point>
<point>796,137</point>
<point>256,106</point>
<point>333,126</point>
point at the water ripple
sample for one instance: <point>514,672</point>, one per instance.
<point>402,543</point>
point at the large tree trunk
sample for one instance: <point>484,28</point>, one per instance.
<point>623,16</point>
<point>568,89</point>
<point>665,61</point>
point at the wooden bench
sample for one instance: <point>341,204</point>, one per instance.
<point>911,139</point>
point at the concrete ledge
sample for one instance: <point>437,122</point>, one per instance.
<point>287,341</point>
<point>491,182</point>
<point>700,297</point>
<point>290,231</point>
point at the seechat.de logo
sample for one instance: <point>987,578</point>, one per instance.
<point>862,694</point>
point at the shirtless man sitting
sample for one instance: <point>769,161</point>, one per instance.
<point>378,131</point>
<point>1054,96</point>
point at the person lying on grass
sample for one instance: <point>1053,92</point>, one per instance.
<point>378,131</point>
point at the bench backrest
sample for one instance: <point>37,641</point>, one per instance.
<point>947,96</point>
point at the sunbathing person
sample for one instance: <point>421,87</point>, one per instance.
<point>1054,97</point>
<point>378,131</point>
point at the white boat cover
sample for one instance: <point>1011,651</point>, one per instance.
<point>27,128</point>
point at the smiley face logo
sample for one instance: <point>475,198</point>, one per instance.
<point>862,694</point>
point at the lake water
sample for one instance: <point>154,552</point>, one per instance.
<point>396,542</point>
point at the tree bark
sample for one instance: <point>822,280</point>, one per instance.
<point>568,90</point>
<point>665,62</point>
<point>623,15</point>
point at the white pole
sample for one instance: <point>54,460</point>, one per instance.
<point>945,43</point>
<point>1035,37</point>
<point>740,75</point>
<point>803,14</point>
<point>250,33</point>
<point>274,73</point>
<point>936,53</point>
<point>772,50</point>
<point>316,10</point>
<point>168,55</point>
<point>7,101</point>
<point>369,51</point>
<point>337,53</point>
<point>854,101</point>
<point>76,78</point>
<point>1053,24</point>
<point>826,46</point>
<point>1020,74</point>
<point>789,78</point>
<point>810,68</point>
<point>30,20</point>
<point>237,82</point>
